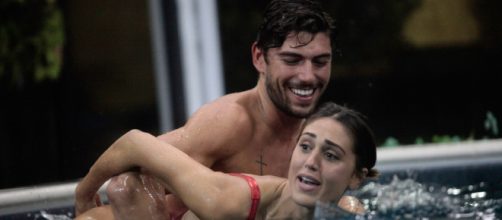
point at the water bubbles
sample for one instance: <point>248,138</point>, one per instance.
<point>478,195</point>
<point>327,211</point>
<point>409,199</point>
<point>454,191</point>
<point>48,216</point>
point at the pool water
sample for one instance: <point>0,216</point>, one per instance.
<point>394,196</point>
<point>63,213</point>
<point>432,182</point>
<point>408,199</point>
<point>398,197</point>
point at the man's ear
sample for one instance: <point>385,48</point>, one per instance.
<point>357,178</point>
<point>258,58</point>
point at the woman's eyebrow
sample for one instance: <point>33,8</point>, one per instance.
<point>334,145</point>
<point>328,142</point>
<point>309,134</point>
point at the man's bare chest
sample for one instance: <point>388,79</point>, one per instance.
<point>270,158</point>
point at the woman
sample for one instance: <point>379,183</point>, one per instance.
<point>334,152</point>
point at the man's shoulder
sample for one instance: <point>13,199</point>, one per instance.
<point>233,108</point>
<point>227,118</point>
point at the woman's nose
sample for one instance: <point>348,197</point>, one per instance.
<point>312,162</point>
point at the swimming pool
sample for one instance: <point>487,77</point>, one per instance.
<point>446,181</point>
<point>51,202</point>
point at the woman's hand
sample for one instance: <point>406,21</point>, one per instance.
<point>84,203</point>
<point>115,160</point>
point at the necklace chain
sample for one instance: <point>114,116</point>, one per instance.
<point>261,162</point>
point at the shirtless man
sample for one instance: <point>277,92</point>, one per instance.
<point>253,131</point>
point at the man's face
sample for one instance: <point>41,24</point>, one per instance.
<point>296,75</point>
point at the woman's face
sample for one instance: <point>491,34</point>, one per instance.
<point>323,163</point>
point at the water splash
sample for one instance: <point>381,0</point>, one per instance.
<point>327,211</point>
<point>48,216</point>
<point>409,199</point>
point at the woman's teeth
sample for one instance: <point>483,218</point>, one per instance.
<point>308,180</point>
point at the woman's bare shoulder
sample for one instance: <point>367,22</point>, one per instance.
<point>271,187</point>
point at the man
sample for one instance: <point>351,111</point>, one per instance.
<point>253,131</point>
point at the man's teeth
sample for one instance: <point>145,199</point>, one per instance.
<point>302,92</point>
<point>308,180</point>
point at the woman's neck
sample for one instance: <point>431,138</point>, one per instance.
<point>286,208</point>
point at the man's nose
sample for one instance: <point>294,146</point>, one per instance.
<point>307,72</point>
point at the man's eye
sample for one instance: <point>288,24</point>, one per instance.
<point>320,62</point>
<point>291,61</point>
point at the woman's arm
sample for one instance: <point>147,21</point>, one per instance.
<point>207,193</point>
<point>107,166</point>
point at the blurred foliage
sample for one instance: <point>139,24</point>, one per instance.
<point>490,131</point>
<point>491,124</point>
<point>31,41</point>
<point>391,142</point>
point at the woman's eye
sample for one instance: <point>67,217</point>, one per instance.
<point>330,156</point>
<point>305,146</point>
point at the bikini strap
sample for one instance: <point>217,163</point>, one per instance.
<point>255,194</point>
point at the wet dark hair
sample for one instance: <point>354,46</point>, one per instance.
<point>364,142</point>
<point>282,17</point>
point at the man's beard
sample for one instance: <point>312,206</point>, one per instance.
<point>281,101</point>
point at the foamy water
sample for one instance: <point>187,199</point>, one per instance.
<point>409,199</point>
<point>404,198</point>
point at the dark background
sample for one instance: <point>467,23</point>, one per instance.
<point>53,130</point>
